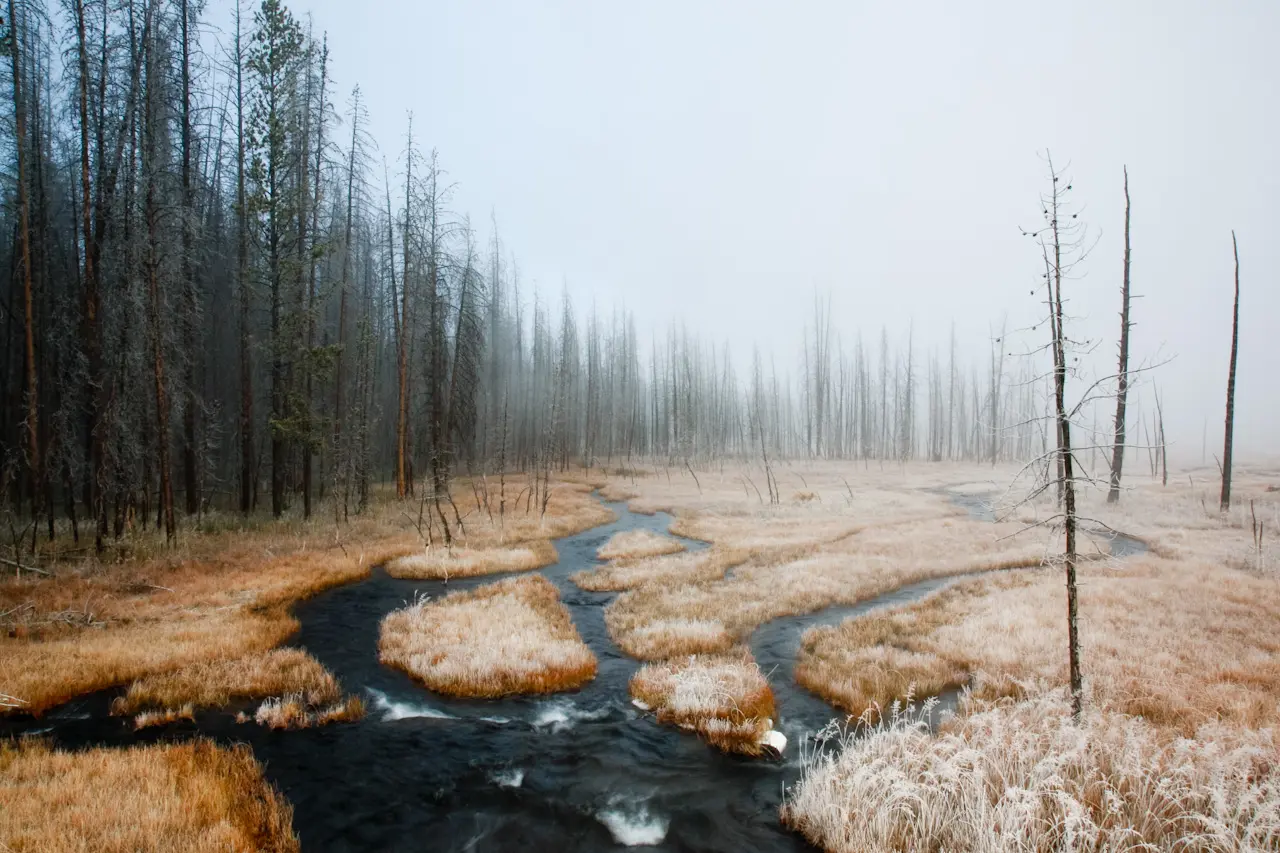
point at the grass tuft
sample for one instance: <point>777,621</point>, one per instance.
<point>635,544</point>
<point>724,698</point>
<point>500,639</point>
<point>442,564</point>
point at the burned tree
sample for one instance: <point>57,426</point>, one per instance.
<point>1122,375</point>
<point>1224,502</point>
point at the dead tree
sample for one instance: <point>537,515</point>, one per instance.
<point>1225,501</point>
<point>1122,386</point>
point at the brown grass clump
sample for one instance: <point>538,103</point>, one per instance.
<point>1028,777</point>
<point>504,638</point>
<point>222,594</point>
<point>216,683</point>
<point>635,544</point>
<point>442,564</point>
<point>690,567</point>
<point>724,698</point>
<point>173,798</point>
<point>164,716</point>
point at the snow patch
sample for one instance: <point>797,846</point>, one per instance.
<point>393,710</point>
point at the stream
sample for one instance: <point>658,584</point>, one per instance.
<point>579,771</point>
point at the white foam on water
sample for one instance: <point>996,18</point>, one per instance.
<point>512,778</point>
<point>393,710</point>
<point>634,826</point>
<point>498,721</point>
<point>562,715</point>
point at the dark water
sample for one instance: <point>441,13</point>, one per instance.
<point>582,771</point>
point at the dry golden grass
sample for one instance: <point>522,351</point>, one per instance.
<point>1027,777</point>
<point>296,711</point>
<point>693,567</point>
<point>223,593</point>
<point>300,692</point>
<point>724,698</point>
<point>180,798</point>
<point>500,639</point>
<point>440,563</point>
<point>637,544</point>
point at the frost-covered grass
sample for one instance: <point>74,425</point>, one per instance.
<point>1024,777</point>
<point>724,698</point>
<point>635,544</point>
<point>1179,642</point>
<point>657,621</point>
<point>503,638</point>
<point>441,563</point>
<point>697,566</point>
<point>166,798</point>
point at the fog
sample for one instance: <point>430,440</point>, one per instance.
<point>717,164</point>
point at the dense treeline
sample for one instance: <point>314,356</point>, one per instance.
<point>216,297</point>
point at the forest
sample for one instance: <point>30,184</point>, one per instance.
<point>324,526</point>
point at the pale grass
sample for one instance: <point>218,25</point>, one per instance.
<point>1025,777</point>
<point>724,698</point>
<point>1179,642</point>
<point>856,568</point>
<point>636,544</point>
<point>224,591</point>
<point>440,563</point>
<point>689,567</point>
<point>504,638</point>
<point>167,798</point>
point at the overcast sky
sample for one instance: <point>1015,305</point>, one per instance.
<point>716,162</point>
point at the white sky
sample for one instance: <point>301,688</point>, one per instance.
<point>715,162</point>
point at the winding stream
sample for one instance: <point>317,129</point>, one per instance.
<point>582,771</point>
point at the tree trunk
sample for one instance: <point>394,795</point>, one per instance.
<point>1225,501</point>
<point>1122,391</point>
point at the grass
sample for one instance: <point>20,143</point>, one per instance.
<point>724,698</point>
<point>312,690</point>
<point>654,621</point>
<point>1025,777</point>
<point>636,544</point>
<point>500,639</point>
<point>168,798</point>
<point>1182,636</point>
<point>442,564</point>
<point>223,593</point>
<point>297,711</point>
<point>690,567</point>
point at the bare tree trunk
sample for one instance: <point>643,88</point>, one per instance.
<point>189,462</point>
<point>247,476</point>
<point>1122,391</point>
<point>1225,501</point>
<point>28,301</point>
<point>402,360</point>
